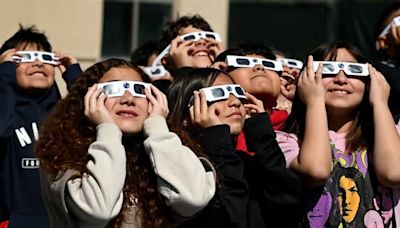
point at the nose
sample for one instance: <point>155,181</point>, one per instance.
<point>201,42</point>
<point>258,67</point>
<point>233,101</point>
<point>341,78</point>
<point>127,98</point>
<point>37,62</point>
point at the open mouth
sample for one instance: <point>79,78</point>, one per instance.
<point>339,92</point>
<point>38,74</point>
<point>200,53</point>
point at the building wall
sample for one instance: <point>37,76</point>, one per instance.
<point>73,27</point>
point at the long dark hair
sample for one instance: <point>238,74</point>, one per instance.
<point>361,133</point>
<point>186,81</point>
<point>65,138</point>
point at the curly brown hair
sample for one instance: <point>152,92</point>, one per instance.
<point>66,136</point>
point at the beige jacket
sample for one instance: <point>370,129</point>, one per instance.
<point>95,198</point>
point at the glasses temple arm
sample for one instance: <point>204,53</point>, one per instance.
<point>159,58</point>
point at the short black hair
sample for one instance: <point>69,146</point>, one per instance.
<point>141,55</point>
<point>173,28</point>
<point>25,36</point>
<point>246,49</point>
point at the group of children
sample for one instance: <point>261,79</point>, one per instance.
<point>211,144</point>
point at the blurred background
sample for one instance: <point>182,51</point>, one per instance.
<point>93,30</point>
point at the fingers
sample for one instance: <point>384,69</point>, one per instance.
<point>393,32</point>
<point>254,104</point>
<point>310,67</point>
<point>196,106</point>
<point>158,103</point>
<point>220,66</point>
<point>93,100</point>
<point>87,98</point>
<point>8,54</point>
<point>203,103</point>
<point>318,74</point>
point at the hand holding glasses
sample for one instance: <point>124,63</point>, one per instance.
<point>194,36</point>
<point>395,22</point>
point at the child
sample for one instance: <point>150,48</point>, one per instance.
<point>343,141</point>
<point>289,76</point>
<point>388,43</point>
<point>198,49</point>
<point>255,191</point>
<point>28,93</point>
<point>262,82</point>
<point>112,160</point>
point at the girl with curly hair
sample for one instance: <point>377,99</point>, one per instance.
<point>108,158</point>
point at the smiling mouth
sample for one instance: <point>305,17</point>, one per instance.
<point>339,92</point>
<point>38,74</point>
<point>201,54</point>
<point>127,114</point>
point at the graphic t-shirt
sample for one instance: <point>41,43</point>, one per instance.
<point>351,197</point>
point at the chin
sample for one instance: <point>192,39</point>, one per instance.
<point>235,129</point>
<point>201,63</point>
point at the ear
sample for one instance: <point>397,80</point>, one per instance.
<point>383,43</point>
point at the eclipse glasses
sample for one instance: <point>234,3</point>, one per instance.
<point>31,56</point>
<point>243,61</point>
<point>118,88</point>
<point>221,92</point>
<point>332,67</point>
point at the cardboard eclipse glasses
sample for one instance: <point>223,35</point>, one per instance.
<point>31,56</point>
<point>221,92</point>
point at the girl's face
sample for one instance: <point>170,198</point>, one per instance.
<point>257,80</point>
<point>34,76</point>
<point>200,52</point>
<point>343,93</point>
<point>127,111</point>
<point>230,111</point>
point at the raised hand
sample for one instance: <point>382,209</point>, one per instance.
<point>201,114</point>
<point>219,66</point>
<point>65,60</point>
<point>158,103</point>
<point>379,89</point>
<point>253,106</point>
<point>310,85</point>
<point>95,110</point>
<point>8,54</point>
<point>179,52</point>
<point>215,47</point>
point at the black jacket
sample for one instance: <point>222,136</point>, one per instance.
<point>20,117</point>
<point>255,191</point>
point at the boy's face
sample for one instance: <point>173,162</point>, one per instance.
<point>199,53</point>
<point>34,76</point>
<point>257,80</point>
